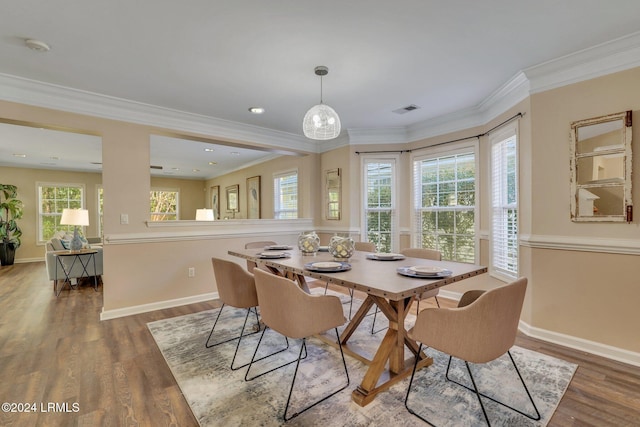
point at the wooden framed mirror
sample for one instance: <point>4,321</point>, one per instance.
<point>601,169</point>
<point>233,198</point>
<point>333,184</point>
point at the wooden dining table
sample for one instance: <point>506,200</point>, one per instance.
<point>384,287</point>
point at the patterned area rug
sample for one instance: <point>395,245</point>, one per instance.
<point>219,396</point>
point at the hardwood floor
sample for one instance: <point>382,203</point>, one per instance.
<point>57,351</point>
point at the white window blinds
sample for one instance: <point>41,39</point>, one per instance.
<point>504,203</point>
<point>444,190</point>
<point>380,220</point>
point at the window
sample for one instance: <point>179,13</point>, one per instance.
<point>445,203</point>
<point>52,200</point>
<point>380,219</point>
<point>285,195</point>
<point>504,202</point>
<point>164,204</point>
<point>100,201</point>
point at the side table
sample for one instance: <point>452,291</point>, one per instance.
<point>78,256</point>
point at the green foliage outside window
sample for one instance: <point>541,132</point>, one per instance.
<point>164,205</point>
<point>53,200</point>
<point>447,211</point>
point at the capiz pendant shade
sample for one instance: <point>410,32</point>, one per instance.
<point>321,122</point>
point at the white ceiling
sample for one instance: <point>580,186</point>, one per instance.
<point>218,58</point>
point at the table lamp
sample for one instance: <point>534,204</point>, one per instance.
<point>204,215</point>
<point>75,217</point>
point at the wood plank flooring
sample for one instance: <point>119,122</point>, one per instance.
<point>57,351</point>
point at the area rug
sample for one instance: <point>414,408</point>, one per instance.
<point>219,396</point>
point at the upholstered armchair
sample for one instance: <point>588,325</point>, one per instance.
<point>482,328</point>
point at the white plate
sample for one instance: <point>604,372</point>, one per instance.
<point>278,247</point>
<point>424,270</point>
<point>385,255</point>
<point>328,265</point>
<point>272,254</point>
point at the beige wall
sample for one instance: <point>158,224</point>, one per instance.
<point>27,180</point>
<point>575,289</point>
<point>193,194</point>
<point>306,165</point>
<point>590,295</point>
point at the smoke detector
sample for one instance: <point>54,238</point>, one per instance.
<point>37,45</point>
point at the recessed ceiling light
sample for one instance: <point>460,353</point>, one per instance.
<point>195,170</point>
<point>234,153</point>
<point>54,158</point>
<point>256,110</point>
<point>209,149</point>
<point>37,45</point>
<point>213,163</point>
<point>175,169</point>
<point>19,155</point>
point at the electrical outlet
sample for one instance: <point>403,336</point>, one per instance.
<point>192,272</point>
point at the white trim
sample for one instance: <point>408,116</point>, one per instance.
<point>584,244</point>
<point>611,57</point>
<point>575,343</point>
<point>209,230</point>
<point>145,308</point>
<point>606,58</point>
<point>32,92</point>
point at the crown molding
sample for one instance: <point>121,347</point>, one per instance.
<point>391,135</point>
<point>32,92</point>
<point>606,58</point>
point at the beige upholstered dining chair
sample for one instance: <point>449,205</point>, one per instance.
<point>236,288</point>
<point>481,329</point>
<point>256,245</point>
<point>423,253</point>
<point>365,246</point>
<point>288,310</point>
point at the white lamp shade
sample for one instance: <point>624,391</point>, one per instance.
<point>78,217</point>
<point>321,122</point>
<point>204,215</point>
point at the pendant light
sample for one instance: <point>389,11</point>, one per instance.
<point>321,121</point>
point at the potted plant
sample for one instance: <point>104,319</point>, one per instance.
<point>10,211</point>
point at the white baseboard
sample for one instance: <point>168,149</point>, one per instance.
<point>145,308</point>
<point>610,352</point>
<point>575,343</point>
<point>604,350</point>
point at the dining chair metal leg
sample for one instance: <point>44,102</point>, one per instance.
<point>526,389</point>
<point>304,347</point>
<point>253,358</point>
<point>474,389</point>
<point>207,343</point>
<point>373,324</point>
<point>326,287</point>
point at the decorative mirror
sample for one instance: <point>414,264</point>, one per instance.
<point>333,184</point>
<point>601,169</point>
<point>232,198</point>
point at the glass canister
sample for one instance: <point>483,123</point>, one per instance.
<point>341,248</point>
<point>308,242</point>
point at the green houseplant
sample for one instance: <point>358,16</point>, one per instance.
<point>10,211</point>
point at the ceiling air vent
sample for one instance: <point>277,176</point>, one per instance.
<point>406,109</point>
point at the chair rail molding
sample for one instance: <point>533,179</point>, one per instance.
<point>585,244</point>
<point>172,231</point>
